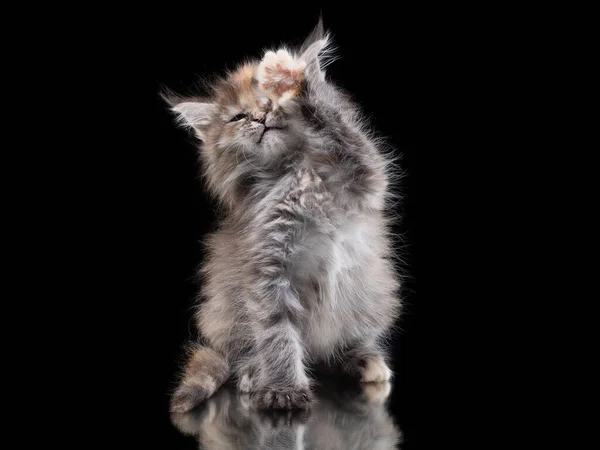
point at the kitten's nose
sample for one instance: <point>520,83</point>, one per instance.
<point>272,120</point>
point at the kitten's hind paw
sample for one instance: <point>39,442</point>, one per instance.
<point>374,369</point>
<point>279,73</point>
<point>377,393</point>
<point>291,398</point>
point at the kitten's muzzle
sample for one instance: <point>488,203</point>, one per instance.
<point>273,120</point>
<point>268,129</point>
<point>270,121</point>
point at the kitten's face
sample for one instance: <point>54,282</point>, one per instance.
<point>246,121</point>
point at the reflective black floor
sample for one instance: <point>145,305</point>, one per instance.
<point>345,415</point>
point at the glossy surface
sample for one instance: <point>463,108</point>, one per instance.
<point>345,415</point>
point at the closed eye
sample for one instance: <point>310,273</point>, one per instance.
<point>238,117</point>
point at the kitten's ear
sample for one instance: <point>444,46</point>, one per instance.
<point>317,51</point>
<point>195,114</point>
<point>191,113</point>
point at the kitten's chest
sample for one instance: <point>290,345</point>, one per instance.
<point>337,180</point>
<point>329,275</point>
<point>325,255</point>
<point>326,273</point>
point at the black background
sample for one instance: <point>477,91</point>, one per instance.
<point>144,211</point>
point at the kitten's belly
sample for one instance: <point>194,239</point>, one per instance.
<point>328,274</point>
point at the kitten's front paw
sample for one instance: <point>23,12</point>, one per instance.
<point>292,398</point>
<point>280,74</point>
<point>374,369</point>
<point>275,419</point>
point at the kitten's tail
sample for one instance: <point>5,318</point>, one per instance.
<point>203,374</point>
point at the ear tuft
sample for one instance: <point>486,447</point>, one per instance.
<point>317,34</point>
<point>170,97</point>
<point>317,51</point>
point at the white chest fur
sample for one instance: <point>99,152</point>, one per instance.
<point>328,274</point>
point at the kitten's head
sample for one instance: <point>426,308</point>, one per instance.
<point>244,126</point>
<point>239,118</point>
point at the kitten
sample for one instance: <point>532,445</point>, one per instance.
<point>342,418</point>
<point>300,271</point>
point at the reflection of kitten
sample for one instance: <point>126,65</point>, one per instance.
<point>300,270</point>
<point>341,418</point>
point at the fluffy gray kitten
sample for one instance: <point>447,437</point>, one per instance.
<point>300,271</point>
